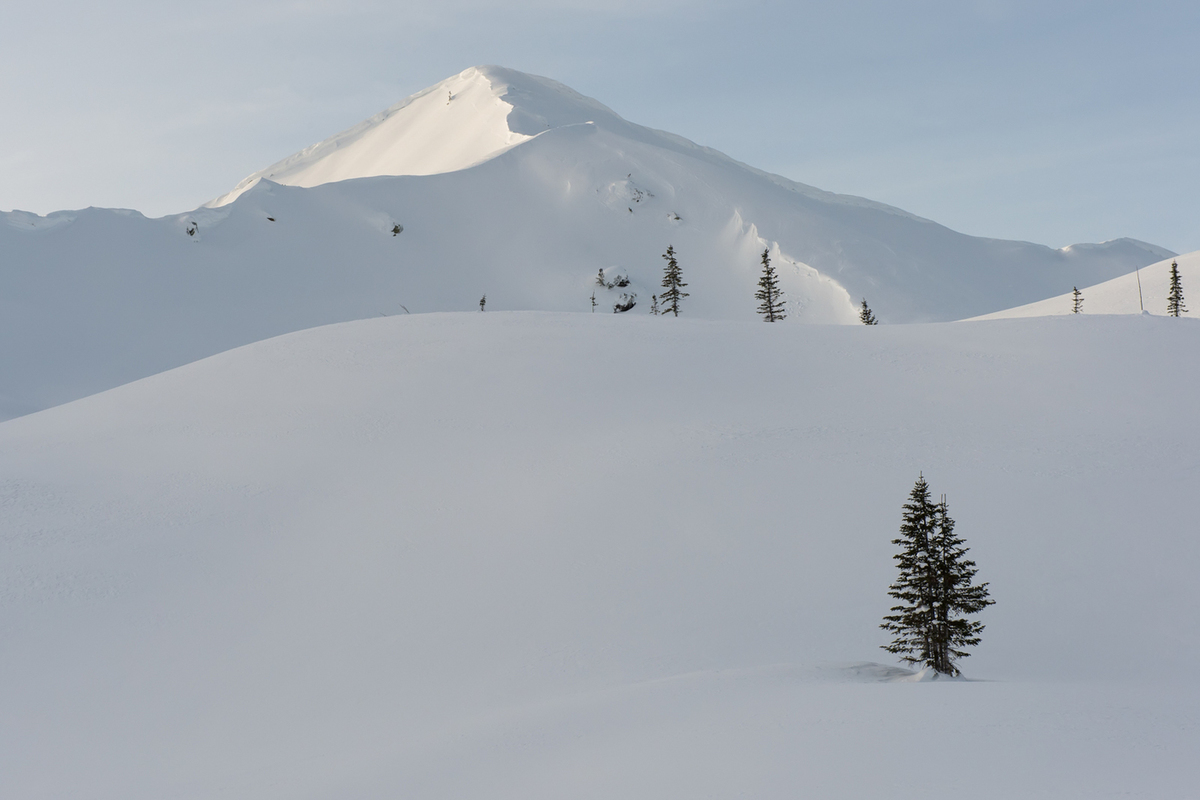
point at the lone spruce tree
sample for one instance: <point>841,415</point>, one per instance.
<point>1175,305</point>
<point>673,283</point>
<point>934,589</point>
<point>866,316</point>
<point>1076,301</point>
<point>770,304</point>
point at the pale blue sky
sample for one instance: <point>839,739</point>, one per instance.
<point>1054,122</point>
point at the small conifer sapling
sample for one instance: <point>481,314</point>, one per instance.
<point>1175,305</point>
<point>770,305</point>
<point>673,283</point>
<point>865,315</point>
<point>1076,301</point>
<point>482,302</point>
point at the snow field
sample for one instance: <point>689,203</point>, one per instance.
<point>543,555</point>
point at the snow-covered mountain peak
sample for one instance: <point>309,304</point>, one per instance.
<point>454,124</point>
<point>539,104</point>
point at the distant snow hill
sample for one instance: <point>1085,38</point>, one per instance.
<point>491,182</point>
<point>1138,291</point>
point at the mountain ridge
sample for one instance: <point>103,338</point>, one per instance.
<point>94,298</point>
<point>535,104</point>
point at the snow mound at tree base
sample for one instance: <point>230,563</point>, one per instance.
<point>871,672</point>
<point>926,675</point>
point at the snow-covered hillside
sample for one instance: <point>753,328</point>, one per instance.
<point>1141,290</point>
<point>531,190</point>
<point>560,555</point>
<point>449,126</point>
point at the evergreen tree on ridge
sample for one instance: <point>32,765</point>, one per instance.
<point>770,298</point>
<point>865,315</point>
<point>673,283</point>
<point>1175,305</point>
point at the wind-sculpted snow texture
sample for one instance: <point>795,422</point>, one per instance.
<point>493,182</point>
<point>459,122</point>
<point>531,555</point>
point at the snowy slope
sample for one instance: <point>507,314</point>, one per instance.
<point>536,189</point>
<point>555,555</point>
<point>449,126</point>
<point>1142,290</point>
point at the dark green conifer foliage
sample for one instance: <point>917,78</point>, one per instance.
<point>956,595</point>
<point>1175,305</point>
<point>1076,301</point>
<point>770,304</point>
<point>934,589</point>
<point>912,620</point>
<point>866,316</point>
<point>673,283</point>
